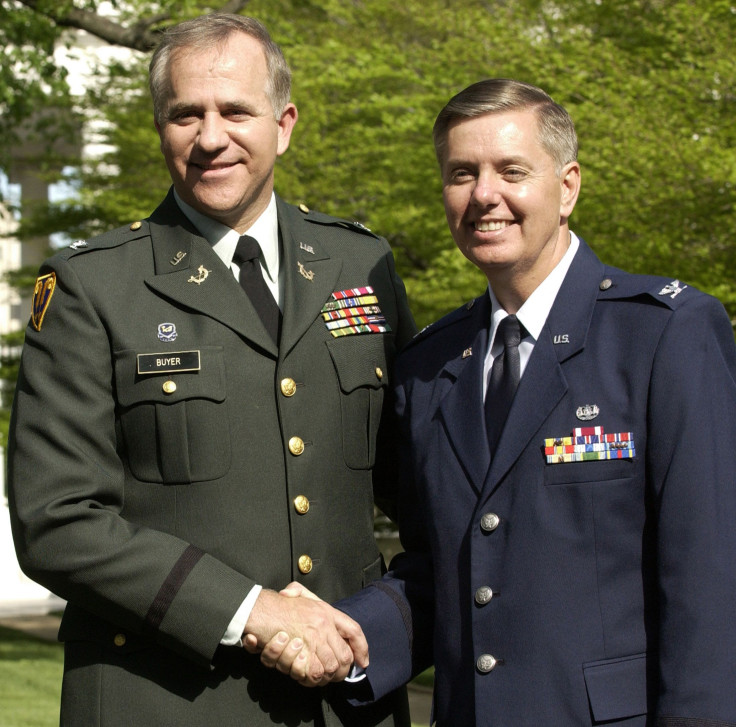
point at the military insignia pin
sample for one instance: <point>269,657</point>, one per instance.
<point>45,286</point>
<point>201,276</point>
<point>167,332</point>
<point>308,274</point>
<point>178,258</point>
<point>78,244</point>
<point>306,248</point>
<point>467,352</point>
<point>673,289</point>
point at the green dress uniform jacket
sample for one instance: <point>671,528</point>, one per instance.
<point>166,456</point>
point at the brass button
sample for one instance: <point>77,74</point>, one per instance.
<point>296,446</point>
<point>288,387</point>
<point>119,640</point>
<point>305,564</point>
<point>379,373</point>
<point>486,663</point>
<point>489,522</point>
<point>301,504</point>
<point>169,387</point>
<point>303,207</point>
<point>136,225</point>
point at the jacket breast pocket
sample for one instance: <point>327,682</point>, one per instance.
<point>174,424</point>
<point>580,473</point>
<point>362,367</point>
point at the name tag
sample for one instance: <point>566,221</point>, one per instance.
<point>169,362</point>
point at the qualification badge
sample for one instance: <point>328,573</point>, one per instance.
<point>42,293</point>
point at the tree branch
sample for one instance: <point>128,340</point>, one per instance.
<point>139,36</point>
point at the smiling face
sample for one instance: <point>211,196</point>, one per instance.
<point>506,205</point>
<point>219,135</point>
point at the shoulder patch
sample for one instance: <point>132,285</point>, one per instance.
<point>44,289</point>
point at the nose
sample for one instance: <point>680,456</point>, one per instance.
<point>487,190</point>
<point>213,134</point>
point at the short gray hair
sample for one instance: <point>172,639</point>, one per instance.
<point>205,32</point>
<point>496,95</point>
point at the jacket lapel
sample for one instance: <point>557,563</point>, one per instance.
<point>199,280</point>
<point>544,384</point>
<point>461,408</point>
<point>310,275</point>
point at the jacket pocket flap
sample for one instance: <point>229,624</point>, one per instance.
<point>617,688</point>
<point>360,360</point>
<point>208,382</point>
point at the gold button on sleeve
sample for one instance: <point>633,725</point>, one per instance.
<point>301,504</point>
<point>296,446</point>
<point>379,373</point>
<point>169,387</point>
<point>288,387</point>
<point>119,640</point>
<point>305,564</point>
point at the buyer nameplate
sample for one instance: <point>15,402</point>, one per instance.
<point>169,362</point>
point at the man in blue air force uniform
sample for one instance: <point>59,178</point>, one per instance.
<point>570,545</point>
<point>180,446</point>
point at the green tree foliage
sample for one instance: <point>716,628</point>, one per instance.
<point>650,85</point>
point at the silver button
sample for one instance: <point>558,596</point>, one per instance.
<point>489,522</point>
<point>485,663</point>
<point>483,595</point>
<point>606,283</point>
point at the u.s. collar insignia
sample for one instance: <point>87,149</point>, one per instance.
<point>167,332</point>
<point>45,286</point>
<point>306,248</point>
<point>201,276</point>
<point>77,244</point>
<point>308,274</point>
<point>586,412</point>
<point>672,289</point>
<point>178,258</point>
<point>467,352</point>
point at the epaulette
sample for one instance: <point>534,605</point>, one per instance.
<point>113,238</point>
<point>322,219</point>
<point>447,320</point>
<point>617,284</point>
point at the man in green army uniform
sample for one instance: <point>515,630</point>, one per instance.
<point>187,438</point>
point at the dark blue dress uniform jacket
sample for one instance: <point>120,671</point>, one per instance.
<point>586,593</point>
<point>153,502</point>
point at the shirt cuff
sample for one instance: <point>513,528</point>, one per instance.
<point>234,632</point>
<point>356,674</point>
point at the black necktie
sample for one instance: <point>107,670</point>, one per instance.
<point>504,379</point>
<point>252,282</point>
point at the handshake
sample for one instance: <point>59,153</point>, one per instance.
<point>302,636</point>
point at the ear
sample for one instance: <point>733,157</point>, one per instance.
<point>570,188</point>
<point>286,125</point>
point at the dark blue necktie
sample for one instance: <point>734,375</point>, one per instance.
<point>504,379</point>
<point>252,282</point>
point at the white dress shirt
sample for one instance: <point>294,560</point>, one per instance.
<point>224,240</point>
<point>532,314</point>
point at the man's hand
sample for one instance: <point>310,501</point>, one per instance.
<point>304,637</point>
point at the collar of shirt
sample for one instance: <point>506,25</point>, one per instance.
<point>532,315</point>
<point>224,239</point>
